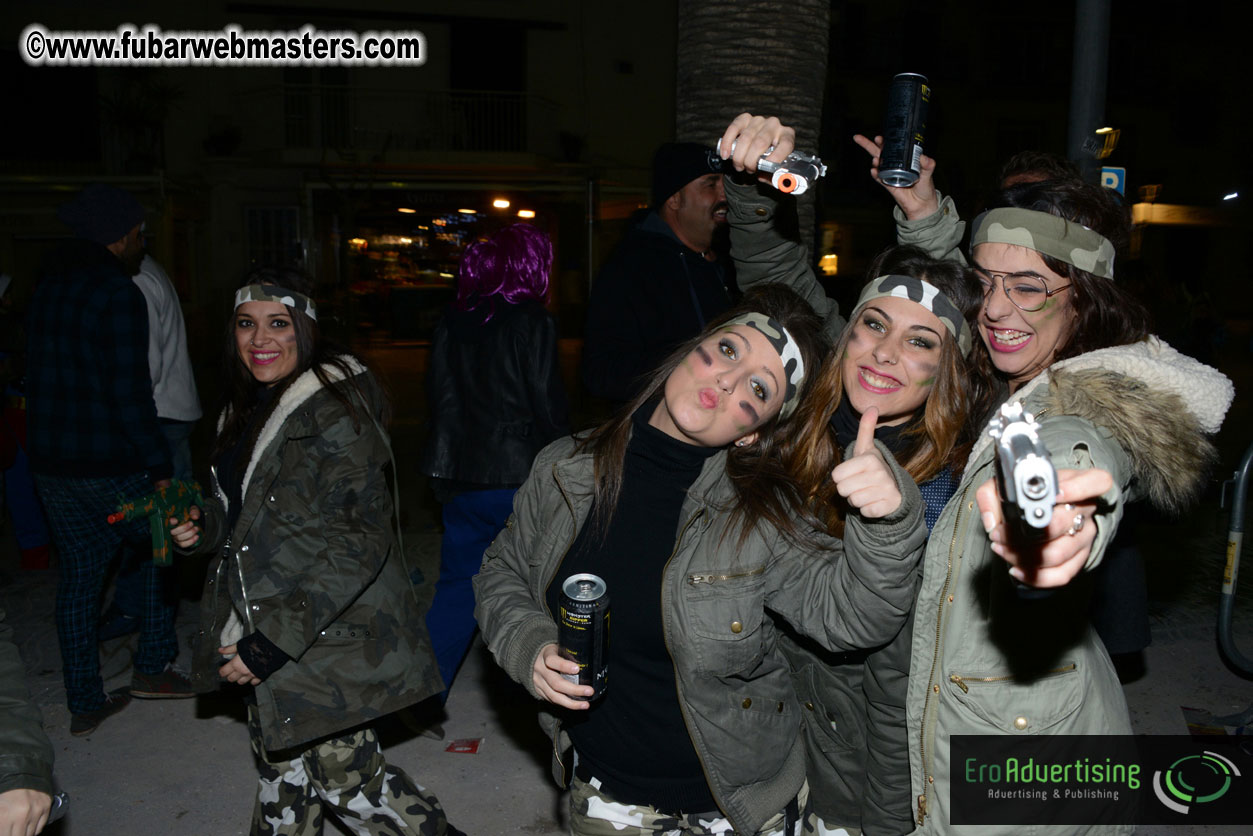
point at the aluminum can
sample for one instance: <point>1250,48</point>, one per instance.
<point>904,130</point>
<point>583,630</point>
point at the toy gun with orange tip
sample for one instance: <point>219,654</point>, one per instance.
<point>794,174</point>
<point>172,501</point>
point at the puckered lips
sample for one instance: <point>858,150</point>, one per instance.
<point>1007,339</point>
<point>873,380</point>
<point>708,398</point>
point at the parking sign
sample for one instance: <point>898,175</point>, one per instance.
<point>1113,177</point>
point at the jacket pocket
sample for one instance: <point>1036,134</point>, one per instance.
<point>832,711</point>
<point>1015,706</point>
<point>724,611</point>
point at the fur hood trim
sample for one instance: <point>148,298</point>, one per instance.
<point>1157,404</point>
<point>302,389</point>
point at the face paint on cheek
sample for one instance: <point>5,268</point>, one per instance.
<point>923,384</point>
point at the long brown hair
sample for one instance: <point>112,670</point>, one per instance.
<point>763,486</point>
<point>950,414</point>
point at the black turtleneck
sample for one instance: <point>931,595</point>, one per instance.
<point>633,738</point>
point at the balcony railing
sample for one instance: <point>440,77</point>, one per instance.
<point>345,118</point>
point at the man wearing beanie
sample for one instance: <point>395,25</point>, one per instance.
<point>94,437</point>
<point>666,279</point>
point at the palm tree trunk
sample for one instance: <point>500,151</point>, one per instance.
<point>765,58</point>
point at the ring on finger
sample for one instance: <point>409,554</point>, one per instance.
<point>1076,525</point>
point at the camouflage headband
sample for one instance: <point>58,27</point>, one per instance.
<point>925,294</point>
<point>1065,240</point>
<point>782,342</point>
<point>274,293</point>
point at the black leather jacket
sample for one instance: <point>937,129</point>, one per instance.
<point>495,396</point>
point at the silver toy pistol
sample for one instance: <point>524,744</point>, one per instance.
<point>1025,475</point>
<point>793,175</point>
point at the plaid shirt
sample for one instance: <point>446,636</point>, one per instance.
<point>89,392</point>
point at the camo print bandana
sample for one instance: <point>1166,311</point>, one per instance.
<point>274,293</point>
<point>927,295</point>
<point>782,342</point>
<point>1064,240</point>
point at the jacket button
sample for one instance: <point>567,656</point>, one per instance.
<point>243,548</point>
<point>761,213</point>
<point>748,702</point>
<point>950,599</point>
<point>256,608</point>
<point>736,627</point>
<point>935,689</point>
<point>780,706</point>
<point>303,604</point>
<point>970,507</point>
<point>1020,723</point>
<point>272,498</point>
<point>810,706</point>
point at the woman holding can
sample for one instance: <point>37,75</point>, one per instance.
<point>1123,415</point>
<point>682,506</point>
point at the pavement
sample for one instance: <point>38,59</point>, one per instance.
<point>183,767</point>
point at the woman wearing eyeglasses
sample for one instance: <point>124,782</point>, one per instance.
<point>1002,643</point>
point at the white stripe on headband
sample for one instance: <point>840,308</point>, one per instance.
<point>789,352</point>
<point>276,293</point>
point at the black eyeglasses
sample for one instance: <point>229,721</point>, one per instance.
<point>1028,292</point>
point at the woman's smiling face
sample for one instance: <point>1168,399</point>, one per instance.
<point>730,385</point>
<point>266,340</point>
<point>892,358</point>
<point>1021,343</point>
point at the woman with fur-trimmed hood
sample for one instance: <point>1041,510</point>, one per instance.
<point>309,603</point>
<point>1002,641</point>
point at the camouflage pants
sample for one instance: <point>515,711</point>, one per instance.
<point>592,813</point>
<point>346,775</point>
<point>815,826</point>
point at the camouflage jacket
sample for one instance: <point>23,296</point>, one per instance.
<point>312,564</point>
<point>735,690</point>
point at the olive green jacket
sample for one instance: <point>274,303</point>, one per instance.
<point>717,599</point>
<point>986,660</point>
<point>312,564</point>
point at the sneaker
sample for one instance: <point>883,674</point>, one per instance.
<point>89,721</point>
<point>167,685</point>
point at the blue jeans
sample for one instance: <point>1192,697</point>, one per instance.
<point>471,521</point>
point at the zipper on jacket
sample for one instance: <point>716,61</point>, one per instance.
<point>665,636</point>
<point>935,660</point>
<point>960,681</point>
<point>696,580</point>
<point>556,740</point>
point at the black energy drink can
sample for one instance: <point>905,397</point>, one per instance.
<point>583,630</point>
<point>904,130</point>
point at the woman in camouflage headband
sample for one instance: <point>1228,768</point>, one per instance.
<point>1123,416</point>
<point>308,604</point>
<point>682,505</point>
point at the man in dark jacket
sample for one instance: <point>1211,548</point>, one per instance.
<point>665,281</point>
<point>94,437</point>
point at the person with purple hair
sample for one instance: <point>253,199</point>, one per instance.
<point>495,399</point>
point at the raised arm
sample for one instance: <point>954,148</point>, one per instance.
<point>763,225</point>
<point>924,217</point>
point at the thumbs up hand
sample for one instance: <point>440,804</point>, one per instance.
<point>865,479</point>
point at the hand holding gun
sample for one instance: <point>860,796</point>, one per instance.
<point>172,501</point>
<point>791,176</point>
<point>1025,477</point>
